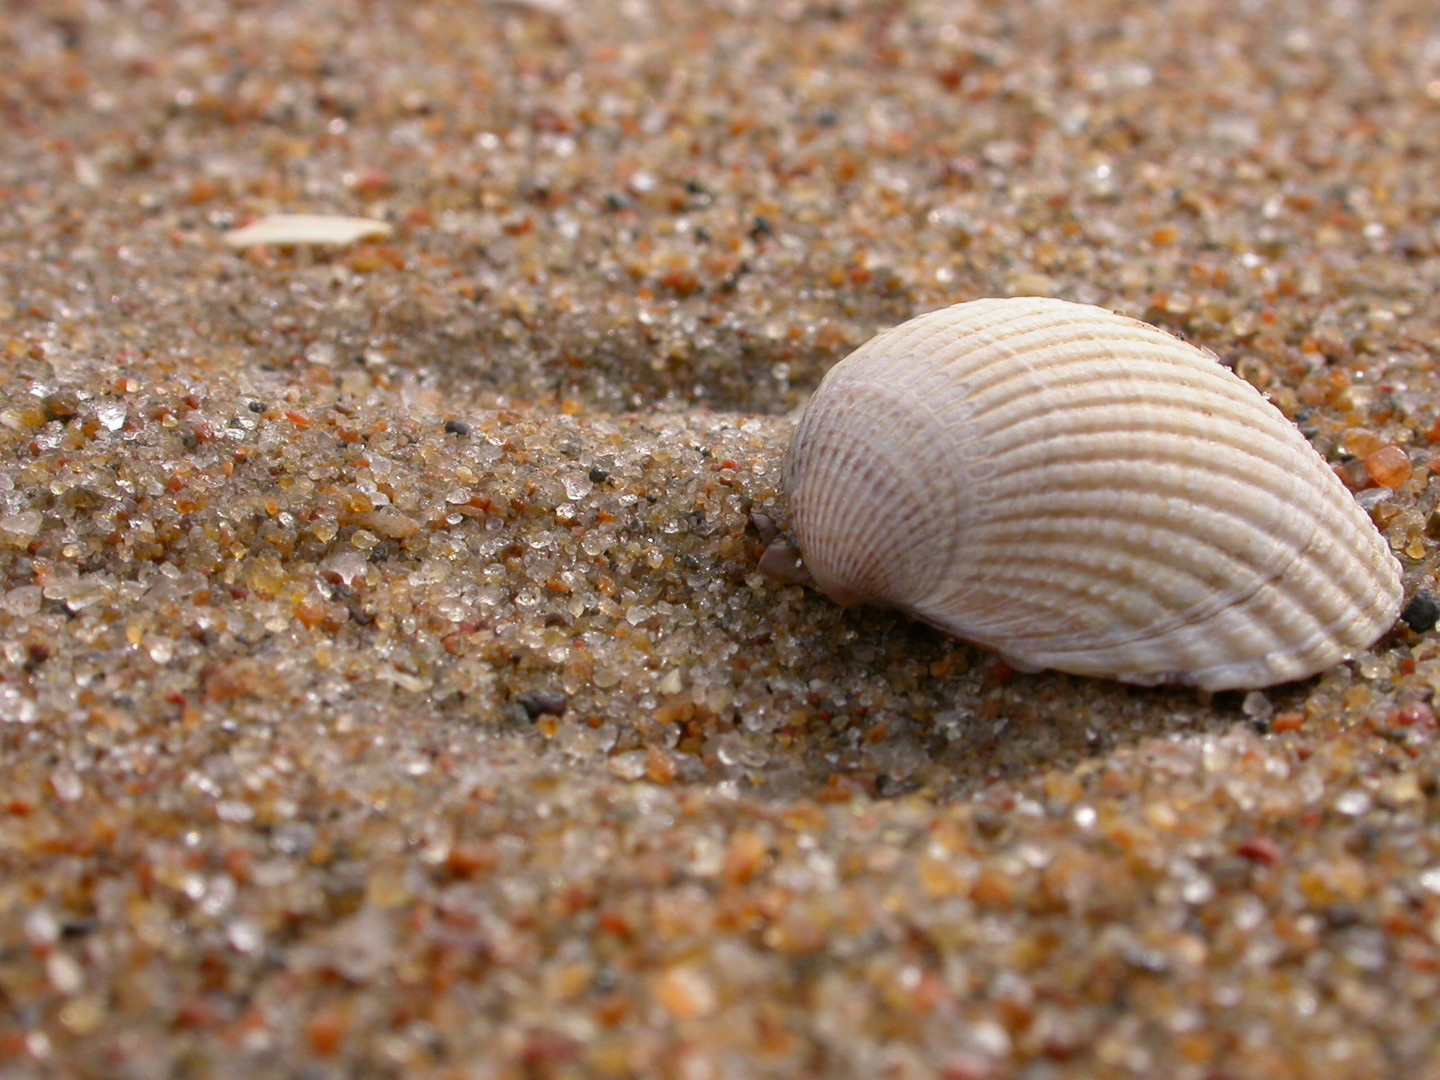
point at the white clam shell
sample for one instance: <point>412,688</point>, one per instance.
<point>297,229</point>
<point>1081,491</point>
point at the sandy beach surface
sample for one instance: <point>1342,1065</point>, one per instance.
<point>387,687</point>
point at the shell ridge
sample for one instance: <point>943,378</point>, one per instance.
<point>895,346</point>
<point>1013,339</point>
<point>1092,573</point>
<point>1058,557</point>
<point>853,478</point>
<point>926,329</point>
<point>1326,620</point>
<point>1082,385</point>
<point>1243,462</point>
<point>1081,511</point>
<point>1282,635</point>
<point>1063,531</point>
<point>1301,637</point>
<point>1086,382</point>
<point>1352,586</point>
<point>988,359</point>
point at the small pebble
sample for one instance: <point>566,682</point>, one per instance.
<point>1422,612</point>
<point>537,703</point>
<point>1389,466</point>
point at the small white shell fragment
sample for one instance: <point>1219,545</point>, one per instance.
<point>1082,491</point>
<point>305,229</point>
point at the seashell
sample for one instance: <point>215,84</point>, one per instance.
<point>1081,491</point>
<point>296,229</point>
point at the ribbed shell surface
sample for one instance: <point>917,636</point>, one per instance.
<point>1081,491</point>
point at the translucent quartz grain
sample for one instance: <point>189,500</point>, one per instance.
<point>1389,466</point>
